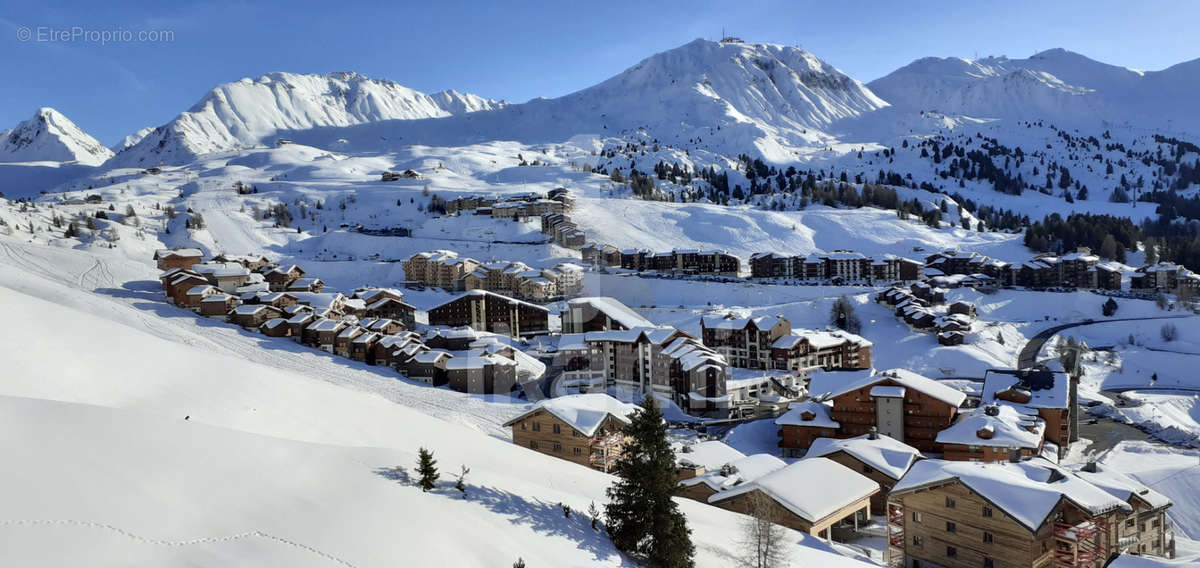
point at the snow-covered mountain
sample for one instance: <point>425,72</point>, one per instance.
<point>51,137</point>
<point>132,139</point>
<point>251,111</point>
<point>725,97</point>
<point>1055,85</point>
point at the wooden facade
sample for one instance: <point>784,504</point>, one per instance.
<point>544,432</point>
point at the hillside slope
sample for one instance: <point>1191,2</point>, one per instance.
<point>158,438</point>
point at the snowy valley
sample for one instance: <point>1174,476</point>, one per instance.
<point>908,237</point>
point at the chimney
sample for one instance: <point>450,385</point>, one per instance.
<point>1091,466</point>
<point>873,434</point>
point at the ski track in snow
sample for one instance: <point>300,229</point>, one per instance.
<point>175,543</point>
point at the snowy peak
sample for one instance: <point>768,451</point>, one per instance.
<point>51,136</point>
<point>251,111</point>
<point>1058,85</point>
<point>759,82</point>
<point>132,139</point>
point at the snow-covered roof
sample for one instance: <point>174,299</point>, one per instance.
<point>1046,388</point>
<point>479,292</point>
<point>902,377</point>
<point>1027,490</point>
<point>884,453</point>
<point>197,290</point>
<point>583,412</point>
<point>612,308</point>
<point>737,471</point>
<point>795,487</point>
<point>709,454</point>
<point>186,252</point>
<point>318,299</point>
<point>1009,427</point>
<point>732,322</point>
<point>1121,485</point>
<point>822,418</point>
<point>251,309</point>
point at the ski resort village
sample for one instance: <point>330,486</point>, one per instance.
<point>729,307</point>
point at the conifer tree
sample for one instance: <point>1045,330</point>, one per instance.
<point>643,519</point>
<point>427,467</point>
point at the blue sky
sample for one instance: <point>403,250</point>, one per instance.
<point>515,51</point>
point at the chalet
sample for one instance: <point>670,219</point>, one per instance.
<point>582,428</point>
<point>322,333</point>
<point>1147,531</point>
<point>1024,513</point>
<point>487,311</point>
<point>197,294</point>
<point>341,342</point>
<point>384,326</point>
<point>898,403</point>
<point>275,327</point>
<point>280,300</point>
<point>177,258</point>
<point>799,503</point>
<point>804,423</point>
<point>600,314</point>
<point>992,433</point>
<point>179,285</point>
<point>428,367</point>
<point>227,277</point>
<point>879,458</point>
<point>963,308</point>
<point>251,262</point>
<point>281,277</point>
<point>306,285</point>
<point>396,350</point>
<point>362,347</point>
<point>325,303</point>
<point>1109,275</point>
<point>807,349</point>
<point>744,342</point>
<point>479,372</point>
<point>253,316</point>
<point>951,338</point>
<point>218,305</point>
<point>297,323</point>
<point>1049,394</point>
<point>728,475</point>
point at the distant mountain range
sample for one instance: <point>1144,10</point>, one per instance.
<point>724,97</point>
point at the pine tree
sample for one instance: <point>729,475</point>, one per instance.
<point>842,316</point>
<point>427,467</point>
<point>643,519</point>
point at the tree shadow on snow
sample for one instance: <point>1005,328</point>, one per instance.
<point>542,517</point>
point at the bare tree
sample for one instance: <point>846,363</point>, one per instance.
<point>762,539</point>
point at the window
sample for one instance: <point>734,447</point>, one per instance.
<point>987,511</point>
<point>916,516</point>
<point>537,426</point>
<point>1129,523</point>
<point>522,425</point>
<point>988,563</point>
<point>558,429</point>
<point>951,552</point>
<point>576,434</point>
<point>533,445</point>
<point>578,451</point>
<point>988,538</point>
<point>950,503</point>
<point>557,447</point>
<point>918,541</point>
<point>951,527</point>
<point>868,469</point>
